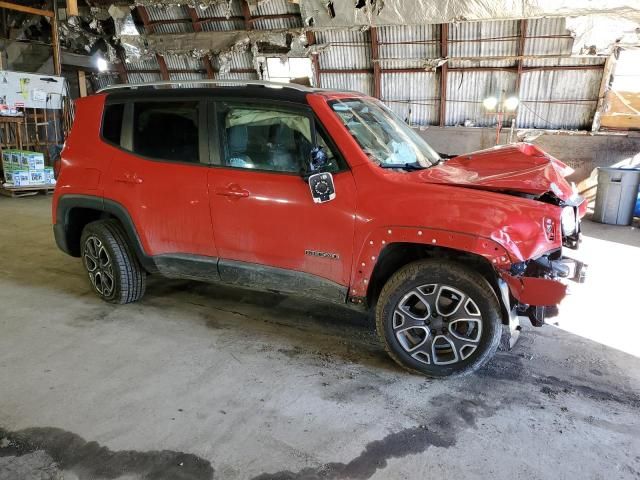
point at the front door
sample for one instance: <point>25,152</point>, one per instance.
<point>159,175</point>
<point>266,223</point>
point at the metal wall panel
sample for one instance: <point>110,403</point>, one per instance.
<point>549,37</point>
<point>143,77</point>
<point>276,7</point>
<point>238,60</point>
<point>223,25</point>
<point>407,47</point>
<point>483,39</point>
<point>346,50</point>
<point>102,80</point>
<point>359,82</point>
<point>413,96</point>
<point>467,90</point>
<point>237,76</point>
<point>172,12</point>
<point>558,99</point>
<point>183,62</point>
<point>144,64</point>
<point>223,9</point>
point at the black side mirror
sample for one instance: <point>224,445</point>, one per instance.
<point>318,159</point>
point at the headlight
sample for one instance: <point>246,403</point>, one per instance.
<point>568,221</point>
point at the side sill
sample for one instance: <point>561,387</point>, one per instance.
<point>281,280</point>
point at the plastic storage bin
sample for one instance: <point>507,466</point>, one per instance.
<point>617,195</point>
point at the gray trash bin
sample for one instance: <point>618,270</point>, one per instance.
<point>616,195</point>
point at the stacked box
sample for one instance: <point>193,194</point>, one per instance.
<point>24,168</point>
<point>49,176</point>
<point>8,166</point>
<point>21,178</point>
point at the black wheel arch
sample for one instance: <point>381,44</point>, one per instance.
<point>74,212</point>
<point>396,255</point>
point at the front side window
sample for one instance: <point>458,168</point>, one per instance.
<point>386,139</point>
<point>166,130</point>
<point>265,138</point>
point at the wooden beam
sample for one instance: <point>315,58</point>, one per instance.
<point>164,71</point>
<point>197,27</point>
<point>377,75</point>
<point>601,106</point>
<point>311,40</point>
<point>148,26</point>
<point>120,66</point>
<point>444,69</point>
<point>522,36</point>
<point>246,13</point>
<point>72,8</point>
<point>55,45</point>
<point>23,9</point>
<point>144,16</point>
<point>82,83</point>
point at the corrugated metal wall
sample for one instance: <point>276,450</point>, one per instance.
<point>556,90</point>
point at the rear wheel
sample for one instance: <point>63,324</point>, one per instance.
<point>114,271</point>
<point>438,318</point>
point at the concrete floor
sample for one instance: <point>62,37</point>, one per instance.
<point>200,381</point>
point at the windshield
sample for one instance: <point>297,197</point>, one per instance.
<point>385,138</point>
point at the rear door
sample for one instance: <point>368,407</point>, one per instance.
<point>159,174</point>
<point>267,226</point>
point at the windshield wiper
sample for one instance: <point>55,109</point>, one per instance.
<point>406,166</point>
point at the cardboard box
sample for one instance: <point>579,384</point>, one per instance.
<point>36,177</point>
<point>49,177</point>
<point>16,159</point>
<point>8,177</point>
<point>7,160</point>
<point>33,160</point>
<point>21,178</point>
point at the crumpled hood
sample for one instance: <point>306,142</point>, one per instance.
<point>519,167</point>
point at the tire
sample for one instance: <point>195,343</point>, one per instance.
<point>114,271</point>
<point>456,303</point>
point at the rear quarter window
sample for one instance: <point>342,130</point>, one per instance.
<point>112,123</point>
<point>166,130</point>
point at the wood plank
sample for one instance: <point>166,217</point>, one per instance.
<point>72,8</point>
<point>24,9</point>
<point>26,191</point>
<point>82,83</point>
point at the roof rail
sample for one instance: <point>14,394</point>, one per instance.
<point>219,82</point>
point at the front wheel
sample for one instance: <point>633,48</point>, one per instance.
<point>438,319</point>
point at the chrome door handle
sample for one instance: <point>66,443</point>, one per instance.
<point>130,178</point>
<point>233,191</point>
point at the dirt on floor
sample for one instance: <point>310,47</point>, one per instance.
<point>200,381</point>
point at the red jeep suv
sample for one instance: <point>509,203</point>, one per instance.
<point>319,193</point>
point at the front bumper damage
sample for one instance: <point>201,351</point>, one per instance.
<point>537,286</point>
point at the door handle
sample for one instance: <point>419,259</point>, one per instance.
<point>233,190</point>
<point>132,178</point>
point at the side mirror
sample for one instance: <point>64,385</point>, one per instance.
<point>322,187</point>
<point>318,159</point>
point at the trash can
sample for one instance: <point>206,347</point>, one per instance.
<point>616,196</point>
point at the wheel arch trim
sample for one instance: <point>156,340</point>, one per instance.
<point>68,202</point>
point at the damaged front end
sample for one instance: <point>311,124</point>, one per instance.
<point>538,285</point>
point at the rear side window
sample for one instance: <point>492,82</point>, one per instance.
<point>112,123</point>
<point>166,130</point>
